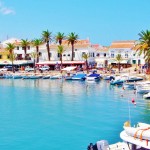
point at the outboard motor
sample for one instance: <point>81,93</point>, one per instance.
<point>102,145</point>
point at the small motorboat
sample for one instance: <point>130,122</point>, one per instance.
<point>146,96</point>
<point>17,76</point>
<point>93,77</point>
<point>35,77</point>
<point>79,76</point>
<point>129,85</point>
<point>116,81</point>
<point>134,79</point>
<point>25,77</point>
<point>58,76</point>
<point>46,77</point>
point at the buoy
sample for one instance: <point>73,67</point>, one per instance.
<point>133,101</point>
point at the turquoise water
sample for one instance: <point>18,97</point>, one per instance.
<point>56,114</point>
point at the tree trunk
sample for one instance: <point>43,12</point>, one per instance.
<point>48,50</point>
<point>72,52</point>
<point>13,70</point>
<point>119,67</point>
<point>34,66</point>
<point>25,53</point>
<point>87,68</point>
<point>37,51</point>
<point>61,60</point>
<point>148,67</point>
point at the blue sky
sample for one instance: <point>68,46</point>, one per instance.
<point>103,21</point>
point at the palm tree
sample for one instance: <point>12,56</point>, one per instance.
<point>25,43</point>
<point>46,36</point>
<point>34,55</point>
<point>60,51</point>
<point>143,46</point>
<point>72,39</point>
<point>86,56</point>
<point>59,37</point>
<point>36,43</point>
<point>119,59</point>
<point>10,47</point>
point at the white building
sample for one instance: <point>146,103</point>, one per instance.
<point>81,47</point>
<point>19,51</point>
<point>127,51</point>
<point>102,56</point>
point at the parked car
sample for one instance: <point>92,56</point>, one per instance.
<point>44,68</point>
<point>9,68</point>
<point>28,69</point>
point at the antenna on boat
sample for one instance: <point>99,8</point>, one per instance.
<point>129,111</point>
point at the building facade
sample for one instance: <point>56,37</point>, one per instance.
<point>127,51</point>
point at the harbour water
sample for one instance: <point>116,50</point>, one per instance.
<point>57,114</point>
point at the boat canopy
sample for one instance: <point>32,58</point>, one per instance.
<point>68,68</point>
<point>94,75</point>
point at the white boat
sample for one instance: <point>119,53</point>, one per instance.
<point>25,77</point>
<point>17,76</point>
<point>108,77</point>
<point>143,89</point>
<point>134,138</point>
<point>134,79</point>
<point>142,84</point>
<point>46,77</point>
<point>146,96</point>
<point>58,76</point>
<point>35,76</point>
<point>129,85</point>
<point>137,138</point>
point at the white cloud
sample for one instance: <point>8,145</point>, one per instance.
<point>5,10</point>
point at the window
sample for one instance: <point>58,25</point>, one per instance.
<point>112,55</point>
<point>68,54</point>
<point>75,49</point>
<point>40,54</point>
<point>104,54</point>
<point>97,54</point>
<point>58,55</point>
<point>93,55</point>
<point>23,48</point>
<point>50,54</point>
<point>134,61</point>
<point>8,56</point>
<point>83,54</point>
<point>74,54</point>
<point>17,47</point>
<point>28,47</point>
<point>126,55</point>
<point>1,57</point>
<point>64,55</point>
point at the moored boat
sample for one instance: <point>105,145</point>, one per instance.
<point>138,138</point>
<point>79,76</point>
<point>93,77</point>
<point>46,77</point>
<point>146,96</point>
